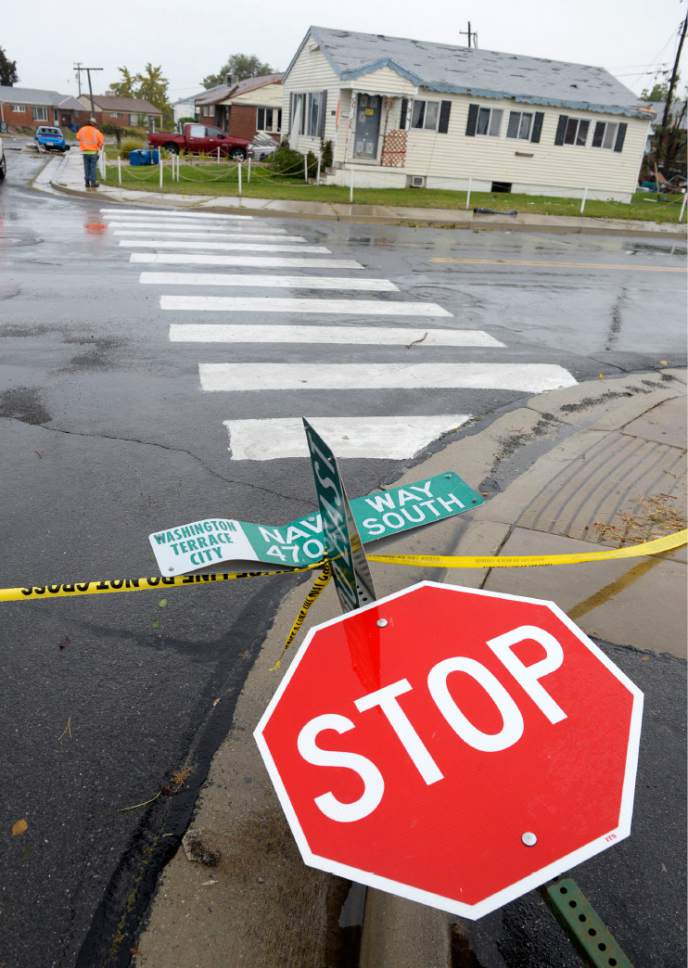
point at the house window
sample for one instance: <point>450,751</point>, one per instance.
<point>207,111</point>
<point>428,115</point>
<point>114,114</point>
<point>307,115</point>
<point>520,125</point>
<point>39,113</point>
<point>609,134</point>
<point>18,108</point>
<point>266,118</point>
<point>489,122</point>
<point>571,131</point>
<point>133,119</point>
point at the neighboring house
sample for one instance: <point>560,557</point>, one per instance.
<point>253,105</point>
<point>31,107</point>
<point>243,107</point>
<point>125,112</point>
<point>677,113</point>
<point>405,112</point>
<point>184,108</point>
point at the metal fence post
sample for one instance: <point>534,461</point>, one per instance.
<point>683,207</point>
<point>119,171</point>
<point>218,156</point>
<point>468,193</point>
<point>239,177</point>
<point>317,173</point>
<point>351,188</point>
<point>305,167</point>
<point>160,167</point>
<point>249,169</point>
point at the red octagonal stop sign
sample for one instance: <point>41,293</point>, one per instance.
<point>453,746</point>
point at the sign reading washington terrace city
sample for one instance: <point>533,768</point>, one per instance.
<point>343,544</point>
<point>210,541</point>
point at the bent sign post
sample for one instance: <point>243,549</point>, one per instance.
<point>454,746</point>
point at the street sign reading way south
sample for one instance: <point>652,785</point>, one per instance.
<point>209,541</point>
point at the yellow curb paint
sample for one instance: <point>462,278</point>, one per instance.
<point>534,264</point>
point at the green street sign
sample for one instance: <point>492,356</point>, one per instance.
<point>381,514</point>
<point>348,561</point>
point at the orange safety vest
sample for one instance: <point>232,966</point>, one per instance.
<point>90,139</point>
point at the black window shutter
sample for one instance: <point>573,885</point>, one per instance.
<point>598,135</point>
<point>561,128</point>
<point>472,120</point>
<point>445,111</point>
<point>404,113</point>
<point>323,114</point>
<point>537,126</point>
<point>620,136</point>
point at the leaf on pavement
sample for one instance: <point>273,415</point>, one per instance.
<point>20,827</point>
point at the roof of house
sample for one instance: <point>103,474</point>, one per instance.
<point>32,95</point>
<point>112,102</point>
<point>224,92</point>
<point>480,73</point>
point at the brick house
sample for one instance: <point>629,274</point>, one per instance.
<point>125,112</point>
<point>26,107</point>
<point>245,107</point>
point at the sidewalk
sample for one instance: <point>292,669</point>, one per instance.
<point>65,174</point>
<point>589,467</point>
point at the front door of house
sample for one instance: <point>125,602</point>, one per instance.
<point>368,109</point>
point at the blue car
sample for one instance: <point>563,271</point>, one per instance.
<point>50,138</point>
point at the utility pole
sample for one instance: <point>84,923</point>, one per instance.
<point>472,36</point>
<point>672,85</point>
<point>78,68</point>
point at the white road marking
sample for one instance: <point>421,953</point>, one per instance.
<point>171,213</point>
<point>224,246</point>
<point>525,377</point>
<point>213,230</point>
<point>234,236</point>
<point>388,438</point>
<point>276,304</point>
<point>371,335</point>
<point>240,279</point>
<point>254,261</point>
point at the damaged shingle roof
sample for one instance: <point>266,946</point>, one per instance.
<point>480,73</point>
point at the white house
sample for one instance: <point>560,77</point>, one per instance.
<point>184,108</point>
<point>406,112</point>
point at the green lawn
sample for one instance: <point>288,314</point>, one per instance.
<point>213,179</point>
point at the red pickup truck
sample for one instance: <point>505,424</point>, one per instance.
<point>197,139</point>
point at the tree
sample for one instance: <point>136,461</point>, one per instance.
<point>657,92</point>
<point>150,85</point>
<point>8,70</point>
<point>240,66</point>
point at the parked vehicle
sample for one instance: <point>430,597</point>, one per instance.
<point>3,162</point>
<point>50,138</point>
<point>263,146</point>
<point>197,139</point>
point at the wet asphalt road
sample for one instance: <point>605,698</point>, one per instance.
<point>107,436</point>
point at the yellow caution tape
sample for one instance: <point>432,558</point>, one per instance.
<point>320,583</point>
<point>655,547</point>
<point>118,585</point>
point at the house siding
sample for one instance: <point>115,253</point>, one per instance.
<point>311,73</point>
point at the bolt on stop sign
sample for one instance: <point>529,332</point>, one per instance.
<point>454,746</point>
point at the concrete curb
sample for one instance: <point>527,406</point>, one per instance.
<point>371,214</point>
<point>262,880</point>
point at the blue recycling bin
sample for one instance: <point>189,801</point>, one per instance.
<point>144,156</point>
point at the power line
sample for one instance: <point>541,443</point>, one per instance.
<point>78,68</point>
<point>471,34</point>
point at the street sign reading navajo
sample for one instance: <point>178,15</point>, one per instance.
<point>454,746</point>
<point>343,544</point>
<point>212,540</point>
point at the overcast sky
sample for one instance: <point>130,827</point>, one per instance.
<point>631,38</point>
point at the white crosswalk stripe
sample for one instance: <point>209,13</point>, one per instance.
<point>390,438</point>
<point>255,262</point>
<point>174,213</point>
<point>223,246</point>
<point>524,377</point>
<point>233,236</point>
<point>351,335</point>
<point>275,304</point>
<point>225,249</point>
<point>243,280</point>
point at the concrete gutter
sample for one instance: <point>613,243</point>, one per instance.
<point>260,906</point>
<point>67,179</point>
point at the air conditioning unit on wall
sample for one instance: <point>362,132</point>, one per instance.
<point>417,181</point>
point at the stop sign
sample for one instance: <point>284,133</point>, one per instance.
<point>454,746</point>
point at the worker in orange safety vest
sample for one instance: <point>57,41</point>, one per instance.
<point>90,141</point>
